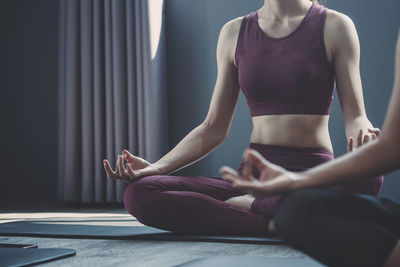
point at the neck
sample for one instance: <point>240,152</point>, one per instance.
<point>280,9</point>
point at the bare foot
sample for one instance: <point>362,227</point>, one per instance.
<point>271,227</point>
<point>242,201</point>
<point>246,201</point>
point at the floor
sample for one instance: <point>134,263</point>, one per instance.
<point>90,252</point>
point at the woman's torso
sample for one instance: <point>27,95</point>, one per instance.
<point>284,121</point>
<point>292,130</point>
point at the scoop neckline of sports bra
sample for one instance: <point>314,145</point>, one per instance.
<point>290,34</point>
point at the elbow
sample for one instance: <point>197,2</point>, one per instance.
<point>215,132</point>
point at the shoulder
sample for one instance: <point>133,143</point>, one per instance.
<point>231,29</point>
<point>339,25</point>
<point>228,36</point>
<point>340,30</point>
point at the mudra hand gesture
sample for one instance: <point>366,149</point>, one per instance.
<point>362,138</point>
<point>130,167</point>
<point>264,185</point>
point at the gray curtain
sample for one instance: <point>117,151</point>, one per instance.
<point>111,95</point>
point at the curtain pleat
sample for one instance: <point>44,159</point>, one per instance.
<point>138,59</point>
<point>131,79</point>
<point>109,95</point>
<point>73,142</point>
<point>110,140</point>
<point>99,106</point>
<point>119,81</point>
<point>61,100</point>
<point>87,105</point>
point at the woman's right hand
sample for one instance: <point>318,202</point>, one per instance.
<point>362,139</point>
<point>134,168</point>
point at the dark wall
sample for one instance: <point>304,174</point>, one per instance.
<point>192,32</point>
<point>28,100</point>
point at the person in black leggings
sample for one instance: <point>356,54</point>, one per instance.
<point>339,228</point>
<point>336,228</point>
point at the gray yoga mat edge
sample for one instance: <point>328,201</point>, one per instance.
<point>29,228</point>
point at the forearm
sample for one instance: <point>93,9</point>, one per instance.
<point>375,158</point>
<point>370,160</point>
<point>193,147</point>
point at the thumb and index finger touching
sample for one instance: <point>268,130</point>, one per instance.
<point>127,154</point>
<point>252,159</point>
<point>129,168</point>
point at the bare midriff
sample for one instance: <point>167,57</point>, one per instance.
<point>292,130</point>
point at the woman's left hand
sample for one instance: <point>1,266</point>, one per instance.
<point>261,187</point>
<point>362,138</point>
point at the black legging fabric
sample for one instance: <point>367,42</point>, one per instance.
<point>339,228</point>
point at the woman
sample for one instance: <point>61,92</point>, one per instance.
<point>337,228</point>
<point>285,57</point>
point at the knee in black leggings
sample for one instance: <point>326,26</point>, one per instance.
<point>337,228</point>
<point>290,214</point>
<point>295,209</point>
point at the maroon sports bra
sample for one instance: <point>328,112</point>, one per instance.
<point>288,75</point>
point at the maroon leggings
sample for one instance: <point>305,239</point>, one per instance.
<point>196,205</point>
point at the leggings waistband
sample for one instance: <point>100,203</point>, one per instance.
<point>292,158</point>
<point>278,148</point>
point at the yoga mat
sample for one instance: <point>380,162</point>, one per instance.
<point>38,229</point>
<point>240,261</point>
<point>265,240</point>
<point>25,257</point>
<point>8,245</point>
